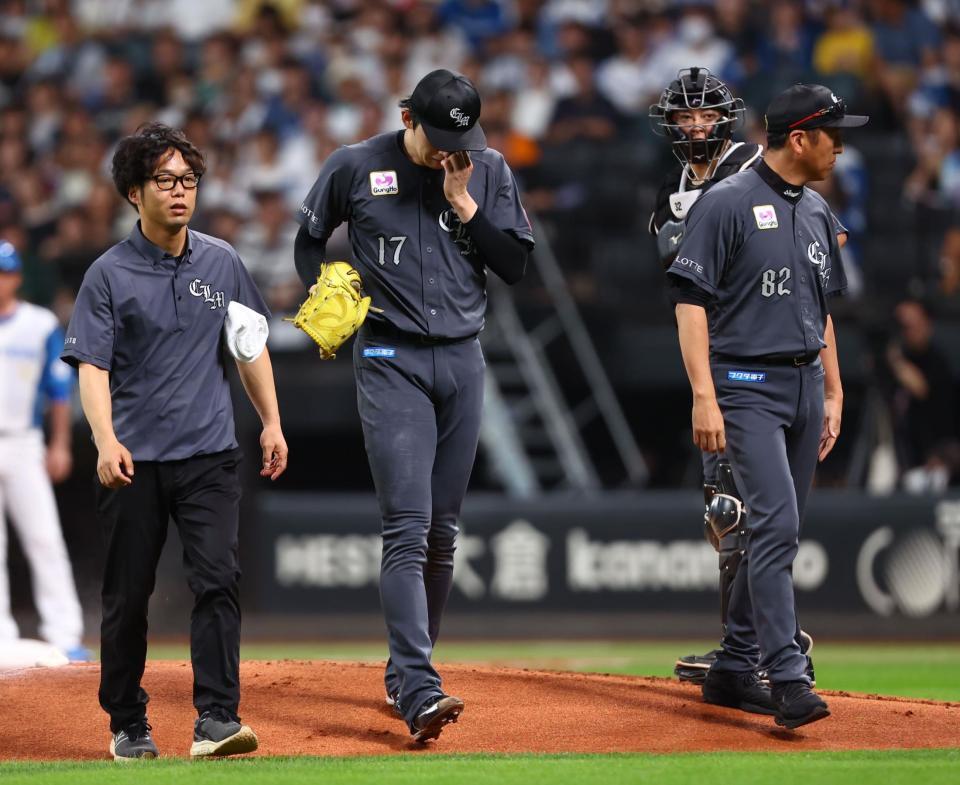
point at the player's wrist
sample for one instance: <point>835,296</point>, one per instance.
<point>464,205</point>
<point>106,441</point>
<point>704,397</point>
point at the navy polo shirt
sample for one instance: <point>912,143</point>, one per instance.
<point>418,262</point>
<point>155,323</point>
<point>766,254</point>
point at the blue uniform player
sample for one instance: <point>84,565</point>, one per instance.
<point>34,383</point>
<point>426,220</point>
<point>751,278</point>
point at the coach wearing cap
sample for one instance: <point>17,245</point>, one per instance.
<point>430,209</point>
<point>751,281</point>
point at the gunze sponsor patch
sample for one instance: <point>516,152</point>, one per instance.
<point>746,376</point>
<point>384,183</point>
<point>765,216</point>
<point>379,351</point>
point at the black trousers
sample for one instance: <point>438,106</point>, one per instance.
<point>202,495</point>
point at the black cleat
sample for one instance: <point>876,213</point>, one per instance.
<point>134,742</point>
<point>797,704</point>
<point>217,732</point>
<point>738,690</point>
<point>433,715</point>
<point>693,668</point>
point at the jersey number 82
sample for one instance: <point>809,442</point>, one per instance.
<point>774,282</point>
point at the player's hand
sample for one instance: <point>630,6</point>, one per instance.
<point>274,448</point>
<point>708,430</point>
<point>59,462</point>
<point>114,465</point>
<point>832,412</point>
<point>457,168</point>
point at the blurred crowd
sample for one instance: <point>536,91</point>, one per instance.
<point>268,88</point>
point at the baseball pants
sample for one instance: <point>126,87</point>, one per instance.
<point>730,546</point>
<point>773,430</point>
<point>27,496</point>
<point>202,495</point>
<point>420,407</point>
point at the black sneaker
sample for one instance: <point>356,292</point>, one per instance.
<point>433,715</point>
<point>693,668</point>
<point>218,732</point>
<point>134,742</point>
<point>738,690</point>
<point>797,704</point>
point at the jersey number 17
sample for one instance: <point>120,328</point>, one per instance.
<point>396,251</point>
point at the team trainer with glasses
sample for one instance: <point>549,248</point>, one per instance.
<point>148,334</point>
<point>430,209</point>
<point>751,281</point>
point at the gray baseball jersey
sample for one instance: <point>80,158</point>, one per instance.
<point>419,369</point>
<point>418,263</point>
<point>767,253</point>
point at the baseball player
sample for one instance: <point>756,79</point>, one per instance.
<point>146,334</point>
<point>33,381</point>
<point>751,278</point>
<point>699,114</point>
<point>426,219</point>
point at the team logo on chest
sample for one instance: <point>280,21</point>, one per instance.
<point>384,183</point>
<point>450,223</point>
<point>200,289</point>
<point>820,260</point>
<point>765,216</point>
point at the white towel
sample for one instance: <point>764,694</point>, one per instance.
<point>244,332</point>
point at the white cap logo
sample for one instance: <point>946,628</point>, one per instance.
<point>459,117</point>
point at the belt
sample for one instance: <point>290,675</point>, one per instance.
<point>796,360</point>
<point>386,330</point>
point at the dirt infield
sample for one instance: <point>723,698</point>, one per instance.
<point>327,708</point>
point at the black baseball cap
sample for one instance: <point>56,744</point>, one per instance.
<point>807,106</point>
<point>448,107</point>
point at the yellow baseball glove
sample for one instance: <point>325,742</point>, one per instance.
<point>335,308</point>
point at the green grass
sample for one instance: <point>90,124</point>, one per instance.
<point>917,671</point>
<point>914,767</point>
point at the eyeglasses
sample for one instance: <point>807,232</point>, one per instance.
<point>837,108</point>
<point>166,182</point>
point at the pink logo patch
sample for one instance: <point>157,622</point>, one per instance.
<point>384,183</point>
<point>765,216</point>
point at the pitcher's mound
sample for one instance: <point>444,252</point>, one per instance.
<point>331,708</point>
